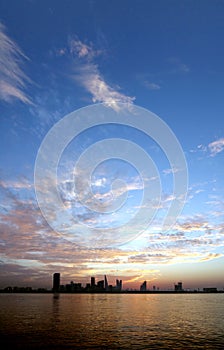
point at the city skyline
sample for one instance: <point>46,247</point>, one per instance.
<point>164,57</point>
<point>101,285</point>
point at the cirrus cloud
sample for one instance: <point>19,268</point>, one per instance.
<point>152,86</point>
<point>12,77</point>
<point>216,147</point>
<point>88,75</point>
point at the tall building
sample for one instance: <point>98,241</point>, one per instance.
<point>100,285</point>
<point>93,282</point>
<point>143,287</point>
<point>105,283</point>
<point>56,282</point>
<point>119,285</point>
<point>178,287</point>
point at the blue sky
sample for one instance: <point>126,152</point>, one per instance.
<point>163,56</point>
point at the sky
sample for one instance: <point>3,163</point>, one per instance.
<point>111,121</point>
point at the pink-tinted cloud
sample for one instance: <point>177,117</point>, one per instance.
<point>216,147</point>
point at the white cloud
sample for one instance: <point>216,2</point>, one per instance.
<point>212,149</point>
<point>78,48</point>
<point>16,184</point>
<point>170,171</point>
<point>202,148</point>
<point>216,147</point>
<point>183,68</point>
<point>12,78</point>
<point>100,182</point>
<point>152,86</point>
<point>88,75</point>
<point>179,67</point>
<point>27,246</point>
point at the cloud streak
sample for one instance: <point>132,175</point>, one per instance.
<point>216,147</point>
<point>152,86</point>
<point>212,149</point>
<point>88,75</point>
<point>179,67</point>
<point>12,78</point>
<point>30,248</point>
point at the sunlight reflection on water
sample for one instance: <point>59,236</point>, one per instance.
<point>105,321</point>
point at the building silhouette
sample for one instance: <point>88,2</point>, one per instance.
<point>143,287</point>
<point>73,287</point>
<point>210,290</point>
<point>178,287</point>
<point>106,283</point>
<point>100,285</point>
<point>56,282</point>
<point>93,283</point>
<point>118,285</point>
<point>94,286</point>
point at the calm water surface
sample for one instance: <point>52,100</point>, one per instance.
<point>112,321</point>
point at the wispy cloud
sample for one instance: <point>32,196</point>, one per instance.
<point>15,184</point>
<point>12,77</point>
<point>179,66</point>
<point>152,86</point>
<point>88,75</point>
<point>216,147</point>
<point>30,248</point>
<point>212,149</point>
<point>182,67</point>
<point>82,50</point>
<point>170,171</point>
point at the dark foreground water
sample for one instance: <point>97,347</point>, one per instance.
<point>112,321</point>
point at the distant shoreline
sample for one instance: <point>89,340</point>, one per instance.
<point>114,292</point>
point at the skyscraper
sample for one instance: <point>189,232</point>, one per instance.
<point>105,283</point>
<point>178,287</point>
<point>93,282</point>
<point>119,285</point>
<point>143,287</point>
<point>100,285</point>
<point>56,282</point>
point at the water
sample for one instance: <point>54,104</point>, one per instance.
<point>112,321</point>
